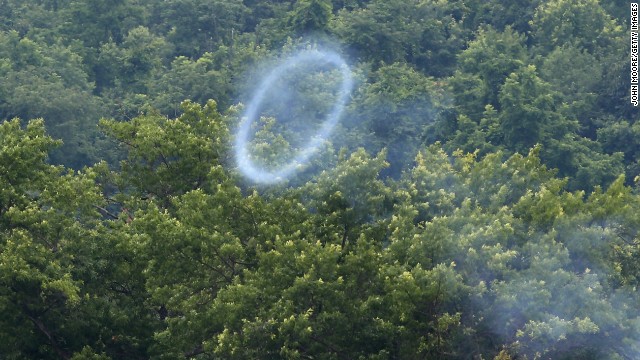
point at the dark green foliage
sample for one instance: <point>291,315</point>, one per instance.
<point>584,24</point>
<point>427,34</point>
<point>48,81</point>
<point>96,22</point>
<point>501,14</point>
<point>310,16</point>
<point>396,101</point>
<point>527,111</point>
<point>484,66</point>
<point>198,26</point>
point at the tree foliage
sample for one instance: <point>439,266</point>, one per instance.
<point>479,200</point>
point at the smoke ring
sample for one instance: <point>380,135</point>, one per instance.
<point>246,165</point>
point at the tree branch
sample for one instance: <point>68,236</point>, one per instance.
<point>43,328</point>
<point>106,212</point>
<point>196,351</point>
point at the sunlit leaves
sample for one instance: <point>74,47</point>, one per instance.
<point>169,157</point>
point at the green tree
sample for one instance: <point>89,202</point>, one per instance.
<point>62,283</point>
<point>427,34</point>
<point>393,111</point>
<point>198,80</point>
<point>528,112</point>
<point>310,15</point>
<point>515,237</point>
<point>584,161</point>
<point>498,14</point>
<point>472,137</point>
<point>96,22</point>
<point>198,26</point>
<point>563,69</point>
<point>342,207</point>
<point>169,157</point>
<point>48,81</point>
<point>484,66</point>
<point>622,136</point>
<point>523,247</point>
<point>584,24</point>
<point>129,65</point>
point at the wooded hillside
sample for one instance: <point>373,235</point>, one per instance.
<point>479,199</point>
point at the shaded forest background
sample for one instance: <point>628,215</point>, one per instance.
<point>479,201</point>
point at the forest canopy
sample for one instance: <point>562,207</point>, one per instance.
<point>478,199</point>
